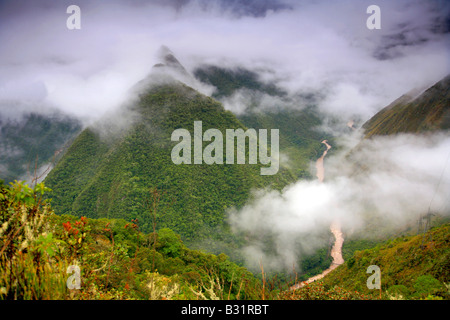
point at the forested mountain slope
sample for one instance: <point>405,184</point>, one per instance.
<point>111,175</point>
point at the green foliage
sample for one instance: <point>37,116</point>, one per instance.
<point>350,246</point>
<point>100,178</point>
<point>398,291</point>
<point>45,244</point>
<point>413,267</point>
<point>320,291</point>
<point>169,243</point>
<point>28,263</point>
<point>315,263</point>
<point>300,139</point>
<point>117,260</point>
<point>427,112</point>
<point>426,285</point>
<point>110,177</point>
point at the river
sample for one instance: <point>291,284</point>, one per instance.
<point>336,251</point>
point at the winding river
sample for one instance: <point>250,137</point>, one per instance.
<point>336,251</point>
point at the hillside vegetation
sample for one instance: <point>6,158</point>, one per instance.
<point>300,136</point>
<point>111,177</point>
<point>115,259</point>
<point>412,267</point>
<point>430,111</point>
<point>41,251</point>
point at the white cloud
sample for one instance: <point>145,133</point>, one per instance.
<point>403,177</point>
<point>312,46</point>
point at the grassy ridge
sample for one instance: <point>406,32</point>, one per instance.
<point>430,111</point>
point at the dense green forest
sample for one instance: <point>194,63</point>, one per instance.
<point>116,260</point>
<point>111,177</point>
<point>300,133</point>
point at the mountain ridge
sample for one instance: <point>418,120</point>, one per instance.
<point>427,112</point>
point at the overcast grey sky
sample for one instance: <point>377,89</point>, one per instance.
<point>313,46</point>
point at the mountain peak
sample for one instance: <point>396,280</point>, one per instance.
<point>169,61</point>
<point>167,70</point>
